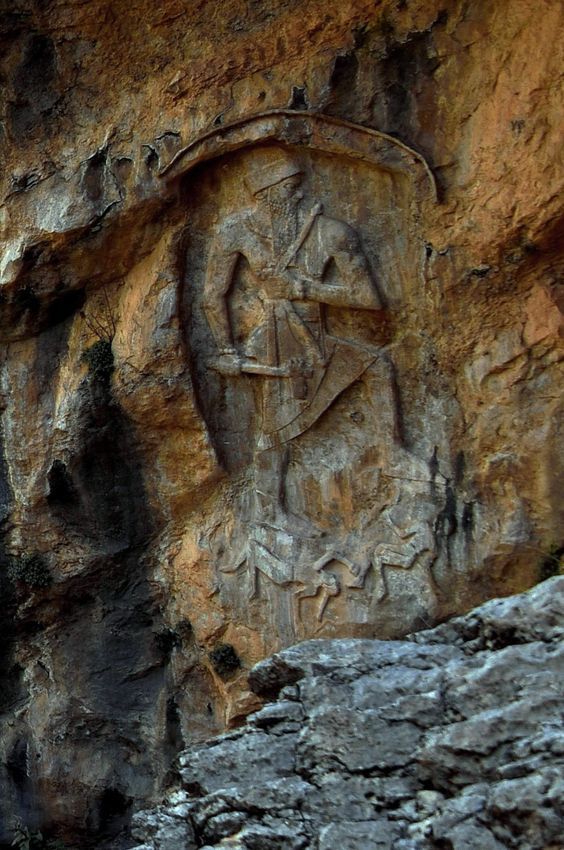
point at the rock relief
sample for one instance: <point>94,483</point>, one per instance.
<point>288,314</point>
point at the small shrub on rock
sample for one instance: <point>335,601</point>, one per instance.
<point>166,640</point>
<point>224,659</point>
<point>24,839</point>
<point>99,359</point>
<point>30,570</point>
<point>552,563</point>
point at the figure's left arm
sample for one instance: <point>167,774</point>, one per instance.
<point>356,287</point>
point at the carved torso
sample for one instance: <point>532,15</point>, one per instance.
<point>292,334</point>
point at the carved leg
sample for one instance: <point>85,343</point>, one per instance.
<point>359,571</point>
<point>268,470</point>
<point>253,589</point>
<point>270,498</point>
<point>329,587</point>
<point>386,556</point>
<point>378,562</point>
<point>382,584</point>
<point>325,559</point>
<point>252,569</point>
<point>328,590</point>
<point>428,562</point>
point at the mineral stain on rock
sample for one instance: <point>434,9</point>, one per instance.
<point>280,362</point>
<point>34,90</point>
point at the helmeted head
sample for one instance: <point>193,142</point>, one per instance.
<point>271,166</point>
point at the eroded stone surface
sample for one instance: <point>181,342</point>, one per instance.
<point>427,478</point>
<point>442,740</point>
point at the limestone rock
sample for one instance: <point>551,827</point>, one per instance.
<point>408,745</point>
<point>281,358</point>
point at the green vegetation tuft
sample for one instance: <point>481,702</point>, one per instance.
<point>552,563</point>
<point>24,839</point>
<point>30,570</point>
<point>224,660</point>
<point>99,359</point>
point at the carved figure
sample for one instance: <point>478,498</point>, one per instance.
<point>408,527</point>
<point>410,540</point>
<point>289,250</point>
<point>289,247</point>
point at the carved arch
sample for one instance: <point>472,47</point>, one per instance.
<point>313,130</point>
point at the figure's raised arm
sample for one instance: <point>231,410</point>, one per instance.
<point>356,287</point>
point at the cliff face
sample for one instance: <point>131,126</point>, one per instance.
<point>280,360</point>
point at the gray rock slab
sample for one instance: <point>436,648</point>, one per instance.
<point>453,739</point>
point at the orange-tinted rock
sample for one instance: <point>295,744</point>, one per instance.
<point>411,466</point>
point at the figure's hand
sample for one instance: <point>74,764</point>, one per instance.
<point>298,368</point>
<point>282,284</point>
<point>228,363</point>
<point>298,291</point>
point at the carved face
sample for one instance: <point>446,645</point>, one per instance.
<point>285,196</point>
<point>288,189</point>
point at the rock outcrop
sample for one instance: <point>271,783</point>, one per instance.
<point>281,357</point>
<point>452,738</point>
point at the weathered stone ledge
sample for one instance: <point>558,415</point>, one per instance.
<point>450,739</point>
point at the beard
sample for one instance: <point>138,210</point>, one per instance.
<point>284,218</point>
